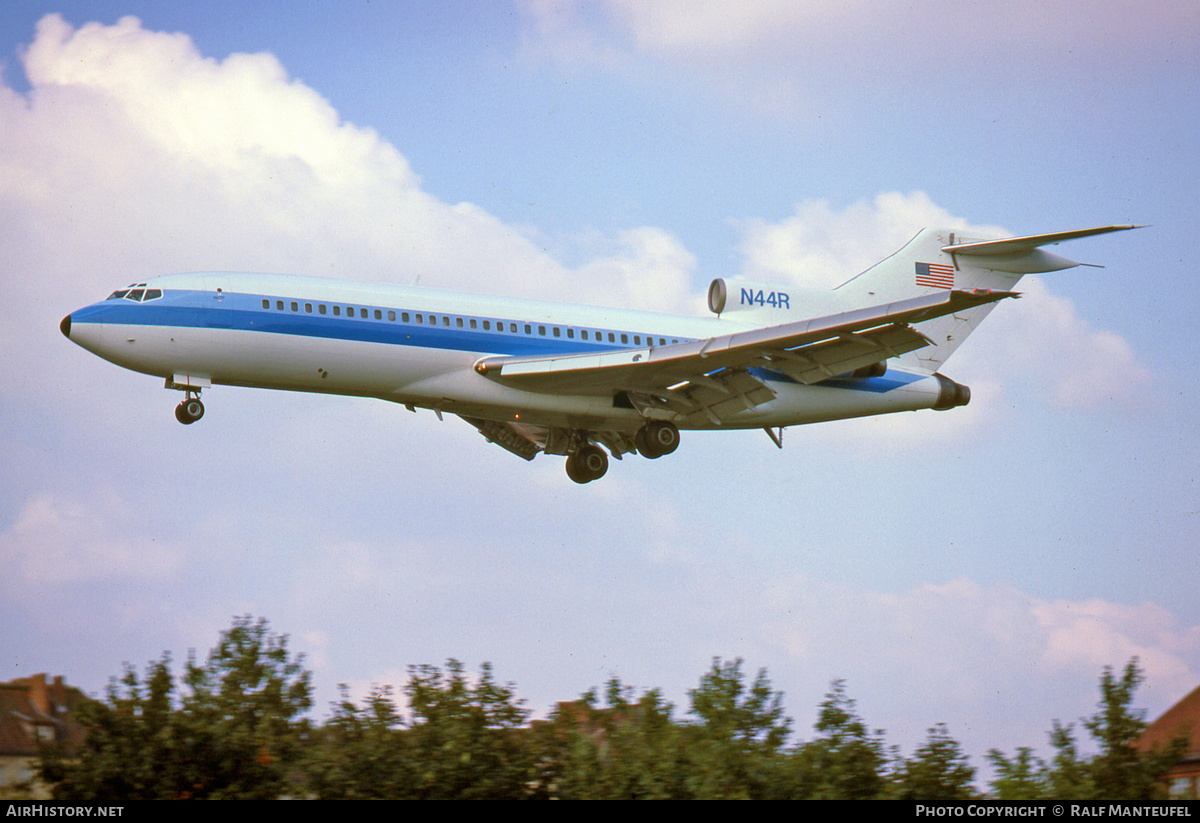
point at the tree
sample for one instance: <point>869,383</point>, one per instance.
<point>1021,778</point>
<point>360,753</point>
<point>938,770</point>
<point>1120,771</point>
<point>234,734</point>
<point>735,749</point>
<point>629,749</point>
<point>465,741</point>
<point>845,762</point>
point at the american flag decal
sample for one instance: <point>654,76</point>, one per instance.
<point>935,275</point>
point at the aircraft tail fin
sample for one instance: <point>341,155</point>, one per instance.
<point>940,259</point>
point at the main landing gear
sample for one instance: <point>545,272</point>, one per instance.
<point>588,462</point>
<point>656,438</point>
<point>190,410</point>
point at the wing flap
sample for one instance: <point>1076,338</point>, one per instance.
<point>850,351</point>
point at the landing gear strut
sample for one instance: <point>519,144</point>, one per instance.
<point>190,410</point>
<point>587,463</point>
<point>656,438</point>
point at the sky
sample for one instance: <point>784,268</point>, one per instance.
<point>977,567</point>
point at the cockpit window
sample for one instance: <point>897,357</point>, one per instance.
<point>137,295</point>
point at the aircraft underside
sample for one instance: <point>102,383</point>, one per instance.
<point>585,428</point>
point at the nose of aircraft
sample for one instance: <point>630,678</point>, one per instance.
<point>65,326</point>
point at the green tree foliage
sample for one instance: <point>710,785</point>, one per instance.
<point>1119,771</point>
<point>360,754</point>
<point>1022,777</point>
<point>232,727</point>
<point>844,762</point>
<point>938,770</point>
<point>234,733</point>
<point>465,741</point>
<point>735,750</point>
<point>628,749</point>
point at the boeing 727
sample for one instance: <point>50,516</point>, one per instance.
<point>535,376</point>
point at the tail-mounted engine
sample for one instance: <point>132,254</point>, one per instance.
<point>767,304</point>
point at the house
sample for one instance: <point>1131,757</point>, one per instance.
<point>33,713</point>
<point>1181,719</point>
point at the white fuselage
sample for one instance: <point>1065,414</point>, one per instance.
<point>418,347</point>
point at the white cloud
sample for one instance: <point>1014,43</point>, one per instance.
<point>821,247</point>
<point>57,541</point>
<point>135,155</point>
<point>789,59</point>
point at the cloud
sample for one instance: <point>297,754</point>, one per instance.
<point>134,155</point>
<point>788,59</point>
<point>56,541</point>
<point>822,247</point>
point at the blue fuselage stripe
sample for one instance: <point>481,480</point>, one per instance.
<point>244,312</point>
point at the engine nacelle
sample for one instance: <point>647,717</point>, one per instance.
<point>950,394</point>
<point>769,304</point>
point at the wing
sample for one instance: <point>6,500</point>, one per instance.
<point>716,376</point>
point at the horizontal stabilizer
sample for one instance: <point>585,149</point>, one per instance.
<point>1023,255</point>
<point>1013,245</point>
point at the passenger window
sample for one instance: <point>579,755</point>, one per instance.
<point>308,308</point>
<point>279,305</point>
<point>637,340</point>
<point>473,325</point>
<point>392,316</point>
<point>266,303</point>
<point>512,327</point>
<point>295,306</point>
<point>321,308</point>
<point>458,322</point>
<point>542,331</point>
<point>404,316</point>
<point>337,311</point>
<point>557,332</point>
<point>445,320</point>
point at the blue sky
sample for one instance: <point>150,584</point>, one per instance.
<point>976,567</point>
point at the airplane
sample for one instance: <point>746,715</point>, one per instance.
<point>585,382</point>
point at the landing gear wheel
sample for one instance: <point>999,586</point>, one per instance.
<point>656,438</point>
<point>189,411</point>
<point>587,464</point>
